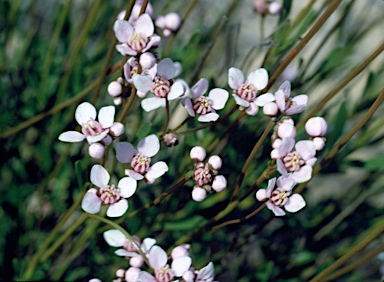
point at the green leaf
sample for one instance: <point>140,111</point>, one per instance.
<point>338,125</point>
<point>144,130</point>
<point>376,163</point>
<point>190,223</point>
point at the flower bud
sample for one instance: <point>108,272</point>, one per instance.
<point>276,144</point>
<point>270,109</point>
<point>188,276</point>
<point>286,129</point>
<point>252,109</point>
<point>172,21</point>
<point>107,140</point>
<point>117,101</point>
<point>115,88</point>
<point>120,273</point>
<point>275,154</point>
<point>198,153</point>
<point>319,143</point>
<point>274,8</point>
<point>260,7</point>
<point>316,127</point>
<point>288,120</point>
<point>132,274</point>
<point>198,194</point>
<point>215,162</point>
<point>219,183</point>
<point>136,261</point>
<point>96,150</point>
<point>94,280</point>
<point>261,195</point>
<point>167,32</point>
<point>160,22</point>
<point>117,129</point>
<point>180,251</point>
<point>147,60</point>
<point>171,139</point>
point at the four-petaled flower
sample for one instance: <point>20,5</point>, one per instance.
<point>288,105</point>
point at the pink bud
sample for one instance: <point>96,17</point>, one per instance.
<point>288,120</point>
<point>215,162</point>
<point>117,101</point>
<point>270,109</point>
<point>147,60</point>
<point>261,195</point>
<point>219,183</point>
<point>96,150</point>
<point>252,109</point>
<point>188,276</point>
<point>198,153</point>
<point>136,261</point>
<point>107,140</point>
<point>180,251</point>
<point>286,129</point>
<point>316,127</point>
<point>172,21</point>
<point>171,139</point>
<point>132,274</point>
<point>120,273</point>
<point>167,32</point>
<point>260,6</point>
<point>275,154</point>
<point>117,129</point>
<point>274,8</point>
<point>160,22</point>
<point>94,280</point>
<point>115,88</point>
<point>199,194</point>
<point>276,144</point>
<point>319,143</point>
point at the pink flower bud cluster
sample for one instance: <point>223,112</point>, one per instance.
<point>169,23</point>
<point>264,7</point>
<point>206,175</point>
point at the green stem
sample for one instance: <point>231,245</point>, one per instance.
<point>127,106</point>
<point>165,126</point>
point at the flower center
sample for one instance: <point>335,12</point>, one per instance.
<point>279,197</point>
<point>137,42</point>
<point>109,195</point>
<point>247,92</point>
<point>202,105</point>
<point>161,87</point>
<point>91,128</point>
<point>134,71</point>
<point>140,163</point>
<point>293,161</point>
<point>164,274</point>
<point>202,175</point>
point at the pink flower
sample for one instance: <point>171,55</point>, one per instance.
<point>136,38</point>
<point>245,90</point>
<point>140,159</point>
<point>316,127</point>
<point>205,274</point>
<point>288,105</point>
<point>110,195</point>
<point>136,12</point>
<point>203,106</point>
<point>281,196</point>
<point>169,23</point>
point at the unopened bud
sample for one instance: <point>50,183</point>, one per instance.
<point>319,143</point>
<point>107,140</point>
<point>274,8</point>
<point>198,153</point>
<point>188,276</point>
<point>117,129</point>
<point>275,154</point>
<point>120,273</point>
<point>115,88</point>
<point>160,22</point>
<point>316,127</point>
<point>270,109</point>
<point>180,251</point>
<point>117,101</point>
<point>199,194</point>
<point>136,261</point>
<point>147,60</point>
<point>171,139</point>
<point>172,21</point>
<point>286,129</point>
<point>215,162</point>
<point>132,274</point>
<point>261,195</point>
<point>252,109</point>
<point>96,150</point>
<point>219,183</point>
<point>276,144</point>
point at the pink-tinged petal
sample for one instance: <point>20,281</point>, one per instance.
<point>206,273</point>
<point>99,176</point>
<point>259,78</point>
<point>187,103</point>
<point>264,99</point>
<point>144,25</point>
<point>84,112</point>
<point>286,88</point>
<point>295,203</point>
<point>142,82</point>
<point>208,117</point>
<point>166,69</point>
<point>240,101</point>
<point>252,109</point>
<point>261,195</point>
<point>178,68</point>
<point>271,186</point>
<point>299,104</point>
<point>134,174</point>
<point>275,209</point>
<point>280,100</point>
<point>235,78</point>
<point>303,174</point>
<point>149,146</point>
<point>106,116</point>
<point>219,97</point>
<point>71,136</point>
<point>91,203</point>
<point>286,146</point>
<point>157,257</point>
<point>127,70</point>
<point>124,49</point>
<point>125,152</point>
<point>147,244</point>
<point>125,253</point>
<point>311,161</point>
<point>286,182</point>
<point>114,238</point>
<point>306,149</point>
<point>127,186</point>
<point>157,170</point>
<point>281,167</point>
<point>117,209</point>
<point>199,88</point>
<point>145,276</point>
<point>154,41</point>
<point>181,265</point>
<point>150,104</point>
<point>97,138</point>
<point>123,30</point>
<point>177,90</point>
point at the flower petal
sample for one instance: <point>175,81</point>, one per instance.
<point>127,186</point>
<point>117,209</point>
<point>177,89</point>
<point>187,103</point>
<point>125,152</point>
<point>271,186</point>
<point>144,25</point>
<point>84,112</point>
<point>240,101</point>
<point>206,273</point>
<point>147,244</point>
<point>286,146</point>
<point>106,116</point>
<point>157,170</point>
<point>286,88</point>
<point>114,238</point>
<point>275,209</point>
<point>71,136</point>
<point>306,149</point>
<point>149,146</point>
<point>303,174</point>
<point>295,203</point>
<point>97,138</point>
<point>134,174</point>
<point>181,265</point>
<point>208,117</point>
<point>252,109</point>
<point>155,41</point>
<point>299,104</point>
<point>286,182</point>
<point>152,103</point>
<point>280,100</point>
<point>142,82</point>
<point>91,203</point>
<point>125,253</point>
<point>264,99</point>
<point>157,257</point>
<point>123,30</point>
<point>235,78</point>
<point>281,167</point>
<point>199,88</point>
<point>259,78</point>
<point>124,49</point>
<point>99,176</point>
<point>219,97</point>
<point>166,69</point>
<point>146,277</point>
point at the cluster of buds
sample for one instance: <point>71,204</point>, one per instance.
<point>170,23</point>
<point>206,175</point>
<point>264,7</point>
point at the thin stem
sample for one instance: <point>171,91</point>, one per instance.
<point>249,159</point>
<point>181,124</point>
<point>165,126</point>
<point>128,105</point>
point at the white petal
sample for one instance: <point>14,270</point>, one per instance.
<point>135,175</point>
<point>152,103</point>
<point>147,244</point>
<point>275,209</point>
<point>146,277</point>
<point>142,82</point>
<point>117,209</point>
<point>303,174</point>
<point>91,203</point>
<point>177,89</point>
<point>144,25</point>
<point>127,186</point>
<point>106,116</point>
<point>264,99</point>
<point>125,152</point>
<point>295,203</point>
<point>149,146</point>
<point>157,257</point>
<point>97,138</point>
<point>125,253</point>
<point>155,41</point>
<point>286,182</point>
<point>259,78</point>
<point>281,167</point>
<point>286,146</point>
<point>187,103</point>
<point>166,69</point>
<point>199,88</point>
<point>240,101</point>
<point>235,78</point>
<point>84,112</point>
<point>157,170</point>
<point>124,49</point>
<point>286,88</point>
<point>71,136</point>
<point>271,186</point>
<point>208,117</point>
<point>306,149</point>
<point>219,97</point>
<point>280,100</point>
<point>206,273</point>
<point>114,238</point>
<point>252,109</point>
<point>181,265</point>
<point>99,176</point>
<point>123,30</point>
